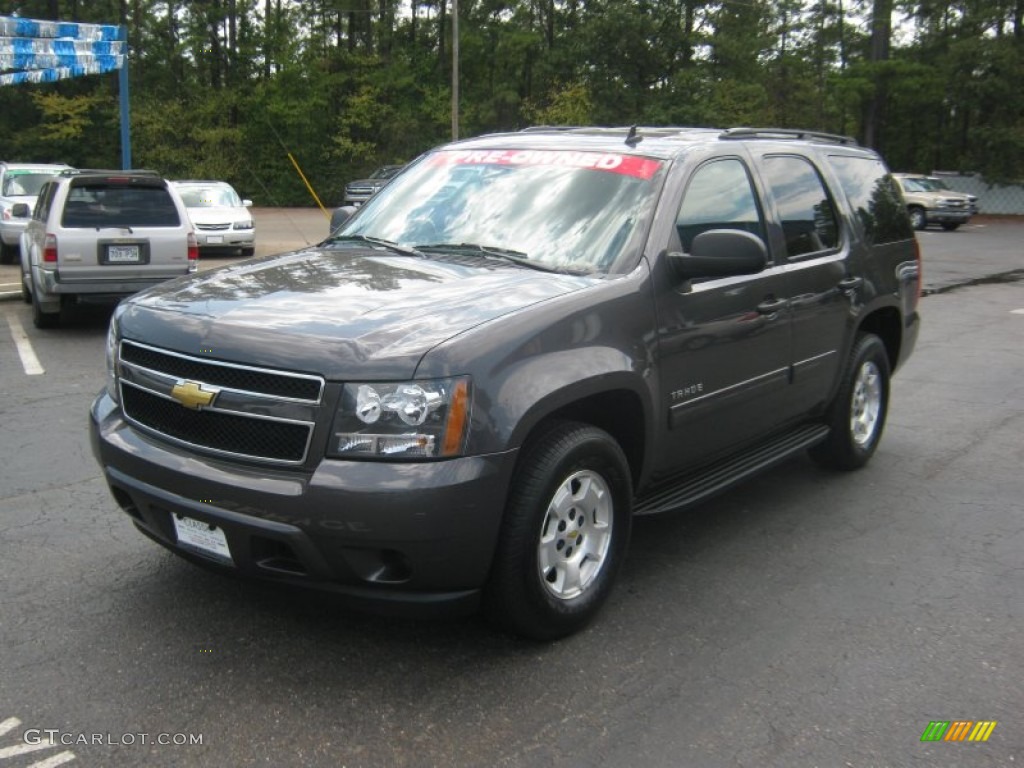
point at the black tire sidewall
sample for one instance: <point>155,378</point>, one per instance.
<point>840,450</point>
<point>40,318</point>
<point>516,597</point>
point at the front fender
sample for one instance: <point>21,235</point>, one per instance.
<point>559,382</point>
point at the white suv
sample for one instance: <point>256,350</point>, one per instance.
<point>19,183</point>
<point>100,236</point>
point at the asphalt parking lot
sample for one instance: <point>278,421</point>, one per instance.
<point>805,619</point>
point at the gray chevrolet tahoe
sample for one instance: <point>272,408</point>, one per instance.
<point>465,394</point>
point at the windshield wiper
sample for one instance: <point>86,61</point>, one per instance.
<point>377,241</point>
<point>506,254</point>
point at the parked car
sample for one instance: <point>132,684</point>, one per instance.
<point>358,192</point>
<point>939,185</point>
<point>19,183</point>
<point>467,393</point>
<point>929,203</point>
<point>221,218</point>
<point>99,236</point>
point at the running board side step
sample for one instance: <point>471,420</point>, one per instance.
<point>689,488</point>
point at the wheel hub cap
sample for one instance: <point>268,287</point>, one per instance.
<point>575,535</point>
<point>866,405</point>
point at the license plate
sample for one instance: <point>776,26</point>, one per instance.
<point>123,254</point>
<point>214,239</point>
<point>207,538</point>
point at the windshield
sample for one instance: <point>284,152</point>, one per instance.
<point>576,211</point>
<point>24,183</point>
<point>917,185</point>
<point>208,196</point>
<point>386,172</point>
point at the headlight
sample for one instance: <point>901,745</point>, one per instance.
<point>112,361</point>
<point>409,419</point>
<point>243,225</point>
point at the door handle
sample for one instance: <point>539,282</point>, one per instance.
<point>850,283</point>
<point>771,306</point>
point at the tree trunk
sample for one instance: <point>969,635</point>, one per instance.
<point>874,108</point>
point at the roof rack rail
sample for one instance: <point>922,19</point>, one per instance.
<point>109,171</point>
<point>534,128</point>
<point>787,133</point>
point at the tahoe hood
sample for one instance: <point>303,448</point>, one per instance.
<point>337,312</point>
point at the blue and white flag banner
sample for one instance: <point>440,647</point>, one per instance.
<point>28,53</point>
<point>55,74</point>
<point>11,26</point>
<point>46,51</point>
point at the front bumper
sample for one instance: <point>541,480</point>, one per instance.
<point>941,216</point>
<point>226,238</point>
<point>402,537</point>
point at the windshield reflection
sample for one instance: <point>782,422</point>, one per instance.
<point>577,211</point>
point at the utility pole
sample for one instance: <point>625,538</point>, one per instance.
<point>455,70</point>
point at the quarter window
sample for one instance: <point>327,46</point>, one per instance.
<point>806,212</point>
<point>873,194</point>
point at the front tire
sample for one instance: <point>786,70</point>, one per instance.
<point>856,417</point>
<point>564,535</point>
<point>918,220</point>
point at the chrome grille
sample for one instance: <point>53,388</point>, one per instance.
<point>253,413</point>
<point>213,227</point>
<point>243,378</point>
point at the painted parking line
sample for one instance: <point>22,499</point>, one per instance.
<point>25,748</point>
<point>29,361</point>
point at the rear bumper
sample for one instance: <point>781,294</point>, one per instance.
<point>405,538</point>
<point>10,231</point>
<point>52,285</point>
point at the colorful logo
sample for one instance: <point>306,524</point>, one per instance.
<point>958,730</point>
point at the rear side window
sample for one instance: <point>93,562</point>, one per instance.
<point>805,210</point>
<point>44,201</point>
<point>875,198</point>
<point>115,205</point>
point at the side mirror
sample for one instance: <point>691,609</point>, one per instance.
<point>340,216</point>
<point>21,211</point>
<point>721,253</point>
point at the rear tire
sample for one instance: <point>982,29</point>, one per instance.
<point>41,318</point>
<point>8,253</point>
<point>564,534</point>
<point>856,416</point>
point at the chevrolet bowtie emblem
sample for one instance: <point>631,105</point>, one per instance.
<point>192,395</point>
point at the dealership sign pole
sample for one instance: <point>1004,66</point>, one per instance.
<point>34,51</point>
